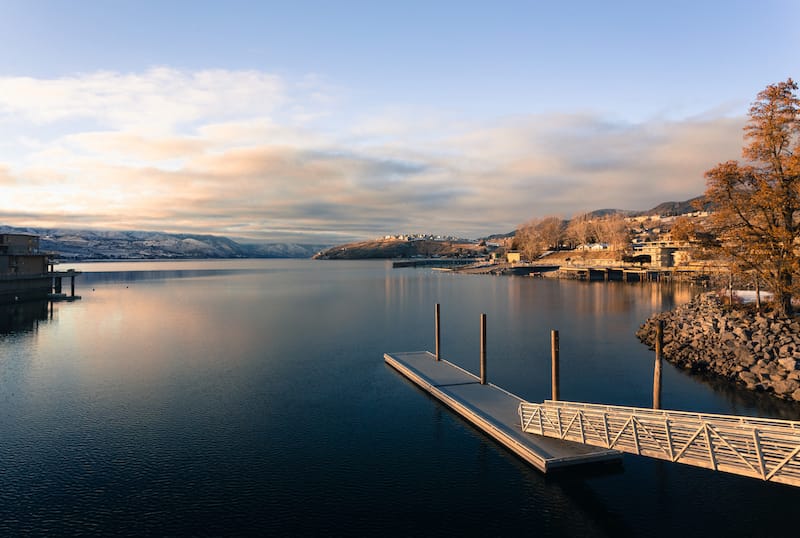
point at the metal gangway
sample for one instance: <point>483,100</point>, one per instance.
<point>768,449</point>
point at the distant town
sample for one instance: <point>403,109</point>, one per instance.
<point>671,235</point>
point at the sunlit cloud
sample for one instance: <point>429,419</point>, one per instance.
<point>158,100</point>
<point>5,177</point>
<point>126,145</point>
<point>258,156</point>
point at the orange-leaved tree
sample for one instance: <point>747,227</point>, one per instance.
<point>757,203</point>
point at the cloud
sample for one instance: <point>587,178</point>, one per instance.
<point>227,152</point>
<point>157,100</point>
<point>567,164</point>
<point>5,176</point>
<point>129,145</point>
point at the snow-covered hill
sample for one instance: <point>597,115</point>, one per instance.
<point>100,245</point>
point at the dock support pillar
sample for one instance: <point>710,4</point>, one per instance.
<point>657,369</point>
<point>57,285</point>
<point>758,295</point>
<point>554,352</point>
<point>438,332</point>
<point>483,349</point>
<point>72,286</point>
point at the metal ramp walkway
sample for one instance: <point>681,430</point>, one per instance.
<point>768,449</point>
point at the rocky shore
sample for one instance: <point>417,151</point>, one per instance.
<point>759,351</point>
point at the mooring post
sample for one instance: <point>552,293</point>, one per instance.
<point>438,332</point>
<point>483,349</point>
<point>657,369</point>
<point>758,295</point>
<point>554,364</point>
<point>730,286</point>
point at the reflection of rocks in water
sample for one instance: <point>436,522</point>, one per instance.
<point>742,399</point>
<point>22,317</point>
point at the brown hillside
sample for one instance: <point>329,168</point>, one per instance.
<point>397,248</point>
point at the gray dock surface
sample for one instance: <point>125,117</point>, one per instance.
<point>492,410</point>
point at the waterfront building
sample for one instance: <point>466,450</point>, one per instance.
<point>26,272</point>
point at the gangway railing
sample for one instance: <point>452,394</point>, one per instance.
<point>768,449</point>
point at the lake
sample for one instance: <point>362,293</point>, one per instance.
<point>251,397</point>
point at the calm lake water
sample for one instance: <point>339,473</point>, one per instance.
<point>251,397</point>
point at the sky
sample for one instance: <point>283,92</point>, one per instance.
<point>322,122</point>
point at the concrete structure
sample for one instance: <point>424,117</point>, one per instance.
<point>26,273</point>
<point>513,256</point>
<point>665,253</point>
<point>19,255</point>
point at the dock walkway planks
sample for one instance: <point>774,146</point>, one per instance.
<point>492,410</point>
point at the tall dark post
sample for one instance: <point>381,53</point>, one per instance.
<point>72,286</point>
<point>554,374</point>
<point>730,286</point>
<point>483,349</point>
<point>657,369</point>
<point>758,295</point>
<point>438,333</point>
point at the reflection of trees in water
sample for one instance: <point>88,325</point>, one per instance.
<point>22,317</point>
<point>602,298</point>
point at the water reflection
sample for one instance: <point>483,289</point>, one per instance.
<point>745,402</point>
<point>23,316</point>
<point>111,277</point>
<point>226,400</point>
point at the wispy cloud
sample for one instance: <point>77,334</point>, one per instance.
<point>159,100</point>
<point>257,155</point>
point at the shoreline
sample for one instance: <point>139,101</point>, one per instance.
<point>757,351</point>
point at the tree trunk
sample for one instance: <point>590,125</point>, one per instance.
<point>784,301</point>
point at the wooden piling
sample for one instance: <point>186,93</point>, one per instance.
<point>758,295</point>
<point>438,333</point>
<point>554,373</point>
<point>730,286</point>
<point>657,368</point>
<point>483,349</point>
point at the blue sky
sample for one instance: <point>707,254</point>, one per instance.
<point>327,121</point>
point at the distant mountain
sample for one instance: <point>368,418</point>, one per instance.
<point>127,245</point>
<point>499,236</point>
<point>600,213</point>
<point>664,209</point>
<point>671,209</point>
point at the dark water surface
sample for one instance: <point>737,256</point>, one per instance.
<point>251,397</point>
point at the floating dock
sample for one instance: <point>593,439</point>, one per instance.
<point>492,410</point>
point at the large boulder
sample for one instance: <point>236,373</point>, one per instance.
<point>758,351</point>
